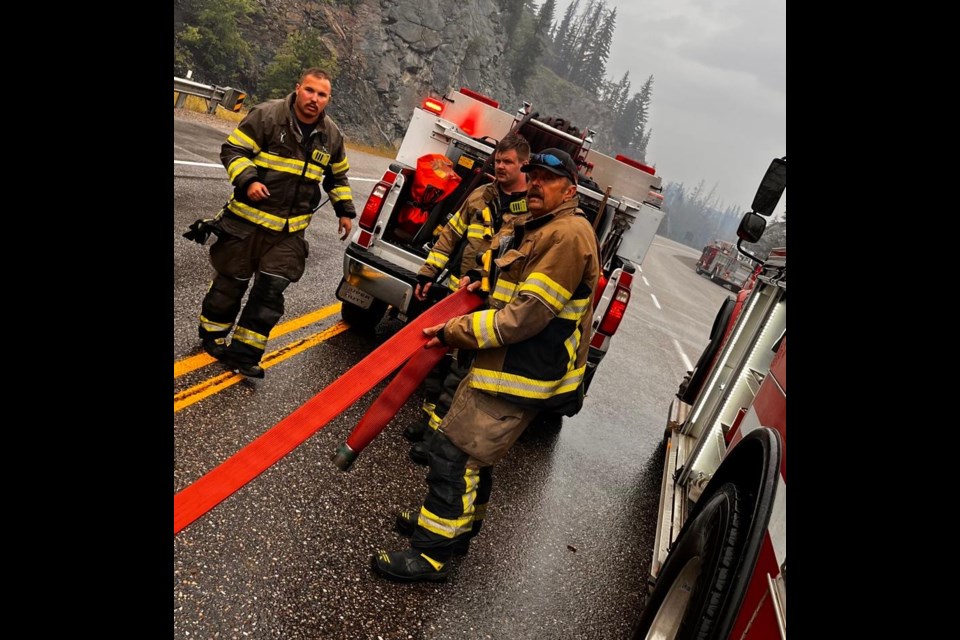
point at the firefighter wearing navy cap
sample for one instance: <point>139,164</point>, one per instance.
<point>531,347</point>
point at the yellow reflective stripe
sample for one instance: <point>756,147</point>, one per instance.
<point>252,338</point>
<point>210,325</point>
<point>485,278</point>
<point>288,165</point>
<point>446,527</point>
<point>523,387</point>
<point>428,407</point>
<point>340,193</point>
<point>240,139</point>
<point>268,220</point>
<point>453,282</point>
<point>575,309</point>
<point>487,222</point>
<point>571,345</point>
<point>471,479</point>
<point>340,167</point>
<point>433,563</point>
<point>256,216</point>
<point>476,231</point>
<point>237,167</point>
<point>437,259</point>
<point>435,421</point>
<point>504,291</point>
<point>546,289</point>
<point>300,222</point>
<point>483,329</point>
<point>457,224</point>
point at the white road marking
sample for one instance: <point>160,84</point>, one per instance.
<point>645,281</point>
<point>683,356</point>
<point>655,301</point>
<point>220,166</point>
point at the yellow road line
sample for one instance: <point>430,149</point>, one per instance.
<point>193,363</point>
<point>218,383</point>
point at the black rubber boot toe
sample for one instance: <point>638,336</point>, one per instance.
<point>409,565</point>
<point>415,430</point>
<point>215,347</point>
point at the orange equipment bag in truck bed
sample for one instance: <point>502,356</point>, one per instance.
<point>434,180</point>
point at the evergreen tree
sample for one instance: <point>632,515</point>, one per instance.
<point>619,94</point>
<point>562,39</point>
<point>302,50</point>
<point>545,17</point>
<point>595,61</point>
<point>587,27</point>
<point>209,41</point>
<point>512,12</point>
<point>532,40</point>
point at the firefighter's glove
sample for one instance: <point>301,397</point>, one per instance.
<point>423,279</point>
<point>200,230</point>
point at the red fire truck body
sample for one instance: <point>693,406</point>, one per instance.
<point>719,561</point>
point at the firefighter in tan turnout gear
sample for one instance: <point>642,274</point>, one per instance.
<point>463,241</point>
<point>532,343</point>
<point>277,158</point>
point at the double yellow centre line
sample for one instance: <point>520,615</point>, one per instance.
<point>220,382</point>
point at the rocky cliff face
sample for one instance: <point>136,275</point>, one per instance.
<point>393,53</point>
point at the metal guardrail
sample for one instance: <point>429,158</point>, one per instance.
<point>227,97</point>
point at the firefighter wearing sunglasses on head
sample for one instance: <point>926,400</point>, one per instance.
<point>462,241</point>
<point>277,159</point>
<point>531,350</point>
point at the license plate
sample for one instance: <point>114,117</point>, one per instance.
<point>349,293</point>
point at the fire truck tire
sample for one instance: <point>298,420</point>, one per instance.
<point>691,388</point>
<point>697,577</point>
<point>363,320</point>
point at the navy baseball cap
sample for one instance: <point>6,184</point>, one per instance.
<point>556,161</point>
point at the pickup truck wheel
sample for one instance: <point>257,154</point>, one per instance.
<point>363,320</point>
<point>697,577</point>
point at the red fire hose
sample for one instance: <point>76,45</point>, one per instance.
<point>218,484</point>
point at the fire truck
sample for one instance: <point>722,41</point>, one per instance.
<point>721,262</point>
<point>401,218</point>
<point>719,560</point>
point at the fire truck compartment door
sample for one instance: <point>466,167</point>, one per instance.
<point>637,239</point>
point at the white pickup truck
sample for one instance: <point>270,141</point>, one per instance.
<point>383,255</point>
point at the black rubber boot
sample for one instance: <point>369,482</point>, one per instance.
<point>215,347</point>
<point>415,430</point>
<point>407,522</point>
<point>409,565</point>
<point>418,452</point>
<point>248,369</point>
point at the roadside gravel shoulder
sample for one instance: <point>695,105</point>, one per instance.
<point>205,118</point>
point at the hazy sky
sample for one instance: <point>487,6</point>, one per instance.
<point>719,107</point>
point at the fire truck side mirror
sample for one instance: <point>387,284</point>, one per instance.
<point>751,227</point>
<point>771,187</point>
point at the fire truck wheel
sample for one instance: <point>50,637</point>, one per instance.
<point>696,580</point>
<point>363,320</point>
<point>691,388</point>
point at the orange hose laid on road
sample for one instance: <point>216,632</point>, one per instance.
<point>218,484</point>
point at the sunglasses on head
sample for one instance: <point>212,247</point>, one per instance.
<point>548,159</point>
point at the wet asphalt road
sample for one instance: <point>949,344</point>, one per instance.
<point>566,547</point>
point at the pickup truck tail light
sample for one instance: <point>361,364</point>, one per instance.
<point>618,305</point>
<point>371,210</point>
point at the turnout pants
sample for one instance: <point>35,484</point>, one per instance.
<point>477,432</point>
<point>273,260</point>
